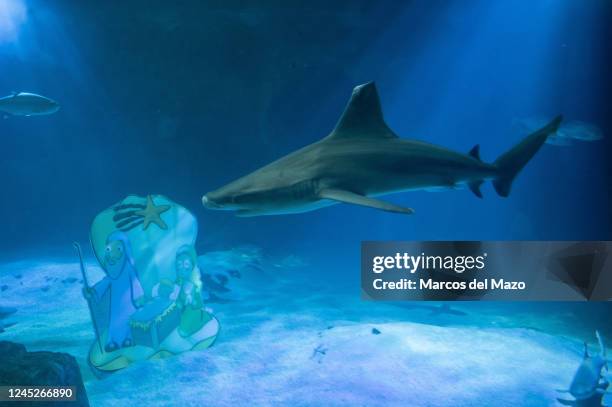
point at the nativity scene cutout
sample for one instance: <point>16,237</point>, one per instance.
<point>147,300</point>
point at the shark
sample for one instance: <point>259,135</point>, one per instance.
<point>27,104</point>
<point>363,159</point>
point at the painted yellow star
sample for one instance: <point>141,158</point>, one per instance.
<point>151,214</point>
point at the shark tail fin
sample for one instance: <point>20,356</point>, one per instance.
<point>512,162</point>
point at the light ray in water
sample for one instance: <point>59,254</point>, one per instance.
<point>13,14</point>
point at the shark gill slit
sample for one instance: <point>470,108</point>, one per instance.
<point>305,188</point>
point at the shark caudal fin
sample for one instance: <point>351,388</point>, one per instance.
<point>512,162</point>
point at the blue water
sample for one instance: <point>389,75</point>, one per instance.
<point>179,99</point>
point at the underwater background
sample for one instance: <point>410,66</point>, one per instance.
<point>179,98</point>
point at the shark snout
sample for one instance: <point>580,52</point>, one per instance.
<point>54,107</point>
<point>205,201</point>
<point>209,203</point>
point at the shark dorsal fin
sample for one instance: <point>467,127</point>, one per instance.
<point>475,152</point>
<point>362,116</point>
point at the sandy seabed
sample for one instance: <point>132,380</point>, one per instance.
<point>286,341</point>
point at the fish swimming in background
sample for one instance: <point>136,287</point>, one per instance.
<point>565,134</point>
<point>362,159</point>
<point>588,381</point>
<point>27,104</point>
<point>446,309</point>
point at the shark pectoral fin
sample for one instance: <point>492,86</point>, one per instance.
<point>356,199</point>
<point>245,213</point>
<point>567,402</point>
<point>475,188</point>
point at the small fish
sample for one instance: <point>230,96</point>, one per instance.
<point>566,134</point>
<point>27,104</point>
<point>446,309</point>
<point>580,131</point>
